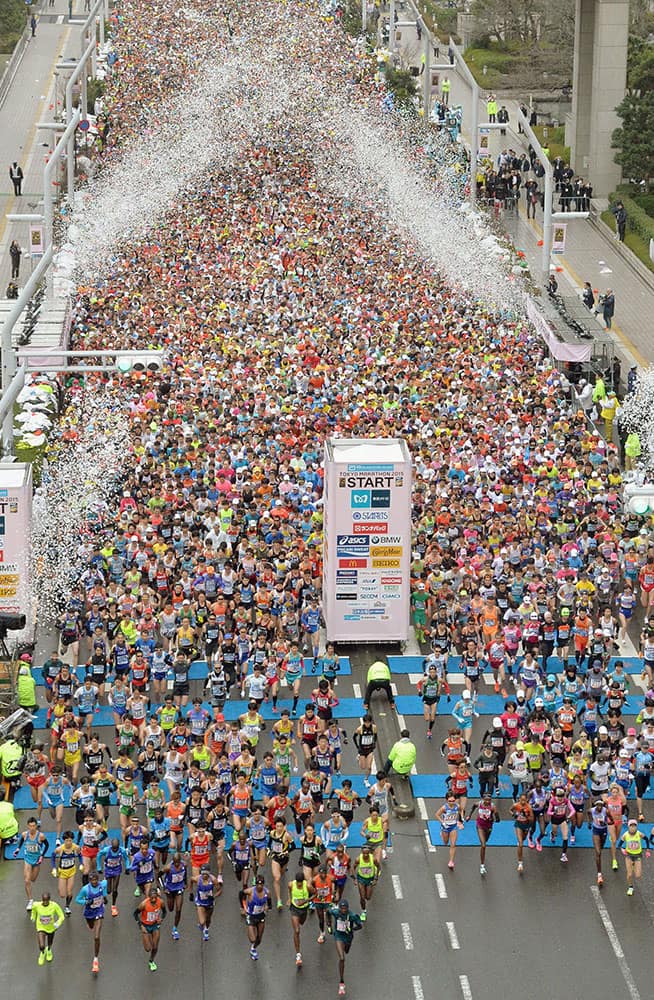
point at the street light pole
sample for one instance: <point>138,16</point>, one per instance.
<point>391,28</point>
<point>549,194</point>
<point>463,69</point>
<point>426,83</point>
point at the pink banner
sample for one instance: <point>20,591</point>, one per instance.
<point>559,349</point>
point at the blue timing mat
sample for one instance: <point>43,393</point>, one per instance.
<point>354,841</point>
<point>347,708</point>
<point>199,670</point>
<point>432,786</point>
<point>413,664</point>
<point>487,704</point>
<point>23,798</point>
<point>503,835</point>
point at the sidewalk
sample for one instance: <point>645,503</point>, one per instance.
<point>590,255</point>
<point>28,102</point>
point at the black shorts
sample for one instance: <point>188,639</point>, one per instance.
<point>182,689</point>
<point>642,784</point>
<point>431,701</point>
<point>300,913</point>
<point>255,919</point>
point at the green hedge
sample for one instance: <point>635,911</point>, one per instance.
<point>637,218</point>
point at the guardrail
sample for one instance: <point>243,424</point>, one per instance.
<point>12,66</point>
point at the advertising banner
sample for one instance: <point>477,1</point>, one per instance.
<point>367,540</point>
<point>15,538</point>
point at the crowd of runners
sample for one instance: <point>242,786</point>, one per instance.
<point>287,314</point>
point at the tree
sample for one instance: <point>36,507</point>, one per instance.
<point>634,141</point>
<point>12,22</point>
<point>402,86</point>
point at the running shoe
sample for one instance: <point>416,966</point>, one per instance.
<point>641,818</point>
<point>275,710</point>
<point>389,848</point>
<point>58,842</point>
<point>530,842</point>
<point>384,853</point>
<point>298,960</point>
<point>96,966</point>
<point>280,905</point>
<point>521,867</point>
<point>137,891</point>
<point>153,966</point>
<point>572,838</point>
<point>114,911</point>
<point>450,865</point>
<point>41,958</point>
<point>67,910</point>
<point>366,783</point>
<point>321,938</point>
<point>220,879</point>
<point>48,954</point>
<point>294,712</point>
<point>175,934</point>
<point>429,734</point>
<point>564,858</point>
<point>630,890</point>
<point>600,878</point>
<point>341,990</point>
<point>364,916</point>
<point>205,934</point>
<point>539,844</point>
<point>29,905</point>
<point>330,929</point>
<point>254,954</point>
<point>497,688</point>
<point>482,869</point>
<point>553,837</point>
<point>614,865</point>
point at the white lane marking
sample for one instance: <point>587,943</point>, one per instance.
<point>612,935</point>
<point>400,721</point>
<point>406,934</point>
<point>60,19</point>
<point>430,846</point>
<point>397,887</point>
<point>356,688</point>
<point>394,690</point>
<point>422,809</point>
<point>465,987</point>
<point>451,930</point>
<point>440,885</point>
<point>418,991</point>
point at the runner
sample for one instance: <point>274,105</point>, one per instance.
<point>599,820</point>
<point>112,862</point>
<point>365,740</point>
<point>322,899</point>
<point>451,818</point>
<point>150,913</point>
<point>298,905</point>
<point>206,890</point>
<point>523,816</point>
<point>345,923</point>
<point>34,845</point>
<point>631,844</point>
<point>48,917</point>
<point>559,812</point>
<point>174,878</point>
<point>487,815</point>
<point>93,897</point>
<point>367,874</point>
<point>65,860</point>
<point>257,902</point>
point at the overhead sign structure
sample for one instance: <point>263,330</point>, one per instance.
<point>367,540</point>
<point>15,539</point>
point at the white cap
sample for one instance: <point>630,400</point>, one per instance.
<point>466,695</point>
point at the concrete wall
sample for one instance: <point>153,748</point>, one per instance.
<point>599,81</point>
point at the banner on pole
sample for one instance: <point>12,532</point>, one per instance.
<point>558,237</point>
<point>483,144</point>
<point>37,241</point>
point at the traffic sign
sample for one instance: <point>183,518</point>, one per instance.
<point>84,125</point>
